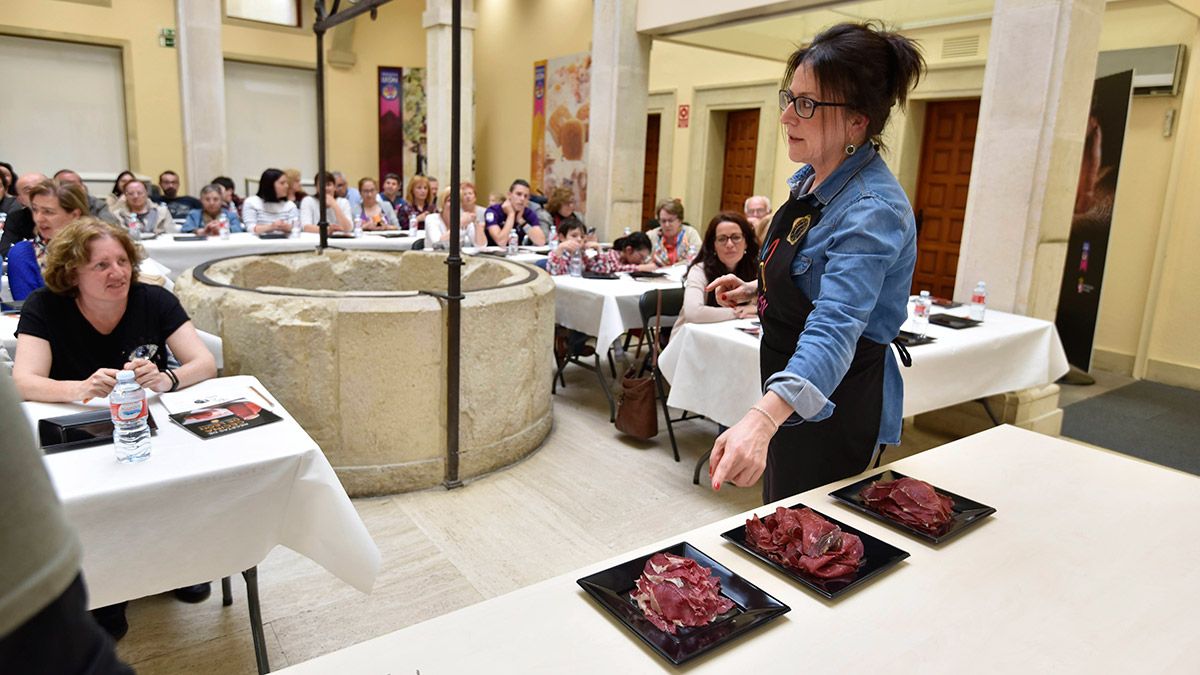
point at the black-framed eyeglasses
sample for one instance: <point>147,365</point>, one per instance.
<point>805,106</point>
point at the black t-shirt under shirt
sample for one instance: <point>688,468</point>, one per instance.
<point>77,349</point>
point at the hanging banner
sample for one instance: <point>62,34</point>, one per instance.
<point>538,158</point>
<point>391,122</point>
<point>1087,247</point>
<point>562,89</point>
<point>416,155</point>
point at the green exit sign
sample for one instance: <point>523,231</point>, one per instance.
<point>166,37</point>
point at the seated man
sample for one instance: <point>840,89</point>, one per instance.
<point>141,214</point>
<point>674,241</point>
<point>206,220</point>
<point>513,215</point>
<point>178,205</point>
<point>96,206</point>
<point>19,224</point>
<point>758,212</point>
<point>345,191</point>
<point>391,191</point>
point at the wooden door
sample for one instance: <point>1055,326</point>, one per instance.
<point>741,152</point>
<point>945,172</point>
<point>650,174</point>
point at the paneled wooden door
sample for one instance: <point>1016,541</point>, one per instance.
<point>741,152</point>
<point>945,172</point>
<point>650,174</point>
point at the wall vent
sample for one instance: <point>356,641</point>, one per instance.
<point>960,47</point>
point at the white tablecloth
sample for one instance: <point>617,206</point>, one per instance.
<point>198,510</point>
<point>1088,565</point>
<point>605,308</point>
<point>713,368</point>
<point>181,255</point>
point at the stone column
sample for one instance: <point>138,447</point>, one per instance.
<point>202,91</point>
<point>1036,93</point>
<point>617,127</point>
<point>436,21</point>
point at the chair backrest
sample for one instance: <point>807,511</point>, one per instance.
<point>672,305</point>
<point>542,262</point>
<point>418,245</point>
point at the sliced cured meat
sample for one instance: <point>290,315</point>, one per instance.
<point>675,591</point>
<point>910,501</point>
<point>803,540</point>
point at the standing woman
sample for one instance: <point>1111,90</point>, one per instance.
<point>834,274</point>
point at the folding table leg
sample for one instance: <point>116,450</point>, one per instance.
<point>226,592</point>
<point>612,404</point>
<point>988,409</point>
<point>256,627</point>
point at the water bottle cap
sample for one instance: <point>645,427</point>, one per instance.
<point>125,376</point>
<point>924,294</point>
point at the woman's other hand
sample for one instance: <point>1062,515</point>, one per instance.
<point>146,373</point>
<point>746,311</point>
<point>731,291</point>
<point>740,454</point>
<point>99,385</point>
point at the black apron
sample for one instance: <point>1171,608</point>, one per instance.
<point>804,455</point>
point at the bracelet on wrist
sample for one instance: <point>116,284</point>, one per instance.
<point>762,411</point>
<point>174,379</point>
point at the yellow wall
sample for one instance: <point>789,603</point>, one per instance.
<point>511,36</point>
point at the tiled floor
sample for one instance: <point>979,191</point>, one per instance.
<point>587,494</point>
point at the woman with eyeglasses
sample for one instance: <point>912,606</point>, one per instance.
<point>729,248</point>
<point>833,275</point>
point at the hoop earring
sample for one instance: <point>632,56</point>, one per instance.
<point>850,149</point>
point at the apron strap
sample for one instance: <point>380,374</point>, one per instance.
<point>905,357</point>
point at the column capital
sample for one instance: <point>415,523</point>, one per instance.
<point>440,17</point>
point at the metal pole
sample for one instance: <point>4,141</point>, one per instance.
<point>322,222</point>
<point>454,261</point>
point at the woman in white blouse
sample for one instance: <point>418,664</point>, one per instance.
<point>270,210</point>
<point>437,226</point>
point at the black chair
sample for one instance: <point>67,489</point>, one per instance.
<point>418,245</point>
<point>567,356</point>
<point>648,307</point>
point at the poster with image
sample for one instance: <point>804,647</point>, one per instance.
<point>560,125</point>
<point>402,127</point>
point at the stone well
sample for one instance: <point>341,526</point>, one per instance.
<point>347,344</point>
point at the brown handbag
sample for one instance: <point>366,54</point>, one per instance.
<point>637,402</point>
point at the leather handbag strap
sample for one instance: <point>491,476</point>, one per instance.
<point>657,331</point>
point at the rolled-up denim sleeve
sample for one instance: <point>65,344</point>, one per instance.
<point>863,246</point>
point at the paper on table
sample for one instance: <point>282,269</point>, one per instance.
<point>211,392</point>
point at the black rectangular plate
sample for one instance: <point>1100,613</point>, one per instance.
<point>190,237</point>
<point>967,512</point>
<point>273,235</point>
<point>80,430</point>
<point>752,607</point>
<point>952,321</point>
<point>599,275</point>
<point>913,340</point>
<point>878,556</point>
<point>637,274</point>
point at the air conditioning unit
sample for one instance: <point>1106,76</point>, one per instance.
<point>1157,71</point>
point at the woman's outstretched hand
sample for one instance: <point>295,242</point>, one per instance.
<point>731,291</point>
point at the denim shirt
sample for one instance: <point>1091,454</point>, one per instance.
<point>856,266</point>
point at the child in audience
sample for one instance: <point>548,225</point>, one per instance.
<point>630,253</point>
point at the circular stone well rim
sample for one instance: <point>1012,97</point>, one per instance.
<point>199,273</point>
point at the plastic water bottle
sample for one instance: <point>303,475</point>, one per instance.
<point>295,227</point>
<point>358,225</point>
<point>3,219</point>
<point>513,242</point>
<point>921,313</point>
<point>575,264</point>
<point>979,301</point>
<point>412,222</point>
<point>131,430</point>
<point>692,251</point>
<point>135,227</point>
<point>628,231</point>
<point>223,226</point>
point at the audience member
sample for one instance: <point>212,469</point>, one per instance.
<point>758,212</point>
<point>337,209</point>
<point>375,213</point>
<point>296,193</point>
<point>270,210</point>
<point>437,226</point>
<point>179,205</point>
<point>469,206</point>
<point>19,224</point>
<point>140,214</point>
<point>96,206</point>
<point>433,186</point>
<point>44,625</point>
<point>630,253</point>
<point>344,190</point>
<point>55,205</point>
<point>420,201</point>
<point>8,200</point>
<point>513,214</point>
<point>729,248</point>
<point>83,325</point>
<point>118,189</point>
<point>561,207</point>
<point>391,190</point>
<point>7,173</point>
<point>674,241</point>
<point>229,194</point>
<point>206,220</point>
<point>494,198</point>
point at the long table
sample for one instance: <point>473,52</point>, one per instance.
<point>606,308</point>
<point>713,368</point>
<point>178,256</point>
<point>199,510</point>
<point>1087,566</point>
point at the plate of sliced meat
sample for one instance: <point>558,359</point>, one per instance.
<point>822,554</point>
<point>681,602</point>
<point>914,506</point>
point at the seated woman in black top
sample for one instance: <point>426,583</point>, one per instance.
<point>81,328</point>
